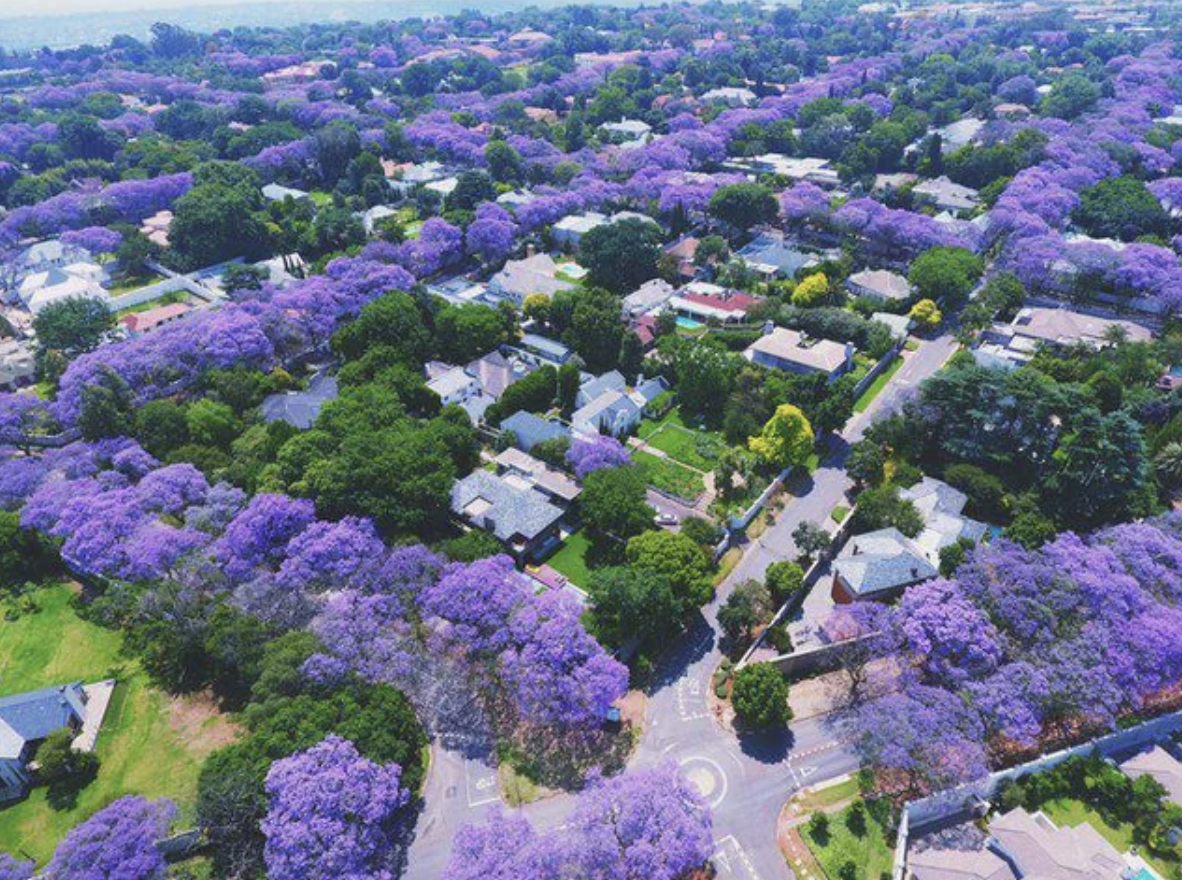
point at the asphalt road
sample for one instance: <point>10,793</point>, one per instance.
<point>745,779</point>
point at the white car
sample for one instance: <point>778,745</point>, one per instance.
<point>667,519</point>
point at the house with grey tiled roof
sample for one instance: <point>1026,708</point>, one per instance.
<point>878,566</point>
<point>941,507</point>
<point>521,278</point>
<point>530,430</point>
<point>300,408</point>
<point>25,722</point>
<point>1156,762</point>
<point>613,412</point>
<point>509,508</point>
<point>613,380</point>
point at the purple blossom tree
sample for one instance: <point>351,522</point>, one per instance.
<point>330,814</point>
<point>587,456</point>
<point>119,841</point>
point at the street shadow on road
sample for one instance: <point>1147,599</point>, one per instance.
<point>697,642</point>
<point>766,746</point>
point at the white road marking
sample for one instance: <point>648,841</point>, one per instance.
<point>485,785</point>
<point>739,855</point>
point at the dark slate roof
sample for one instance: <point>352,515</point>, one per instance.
<point>532,430</point>
<point>35,715</point>
<point>300,408</point>
<point>774,250</point>
<point>508,511</point>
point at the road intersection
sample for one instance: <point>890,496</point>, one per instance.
<point>746,779</point>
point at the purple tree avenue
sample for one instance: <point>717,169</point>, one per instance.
<point>116,843</point>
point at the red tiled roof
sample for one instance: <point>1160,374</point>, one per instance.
<point>735,302</point>
<point>141,322</point>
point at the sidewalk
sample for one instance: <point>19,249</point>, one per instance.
<point>98,699</point>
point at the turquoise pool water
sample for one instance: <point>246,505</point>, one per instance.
<point>689,324</point>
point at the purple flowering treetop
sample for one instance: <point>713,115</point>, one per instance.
<point>587,456</point>
<point>11,869</point>
<point>118,841</point>
<point>259,534</point>
<point>329,815</point>
<point>647,824</point>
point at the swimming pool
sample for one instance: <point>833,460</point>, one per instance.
<point>689,324</point>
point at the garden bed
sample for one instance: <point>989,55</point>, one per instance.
<point>666,475</point>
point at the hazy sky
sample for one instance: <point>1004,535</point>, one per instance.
<point>12,8</point>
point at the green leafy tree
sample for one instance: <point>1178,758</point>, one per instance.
<point>629,603</point>
<point>393,320</point>
<point>621,256</point>
<point>883,507</point>
<point>760,697</point>
<point>787,439</point>
<point>743,205</point>
<point>596,331</point>
<point>784,579</point>
<point>504,162</point>
<point>675,557</point>
<point>1123,208</point>
<point>947,273</point>
<point>161,427</point>
<point>613,503</point>
<point>748,605</point>
<point>73,325</point>
<point>63,770</point>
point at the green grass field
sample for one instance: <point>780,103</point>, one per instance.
<point>669,476</point>
<point>150,743</point>
<point>570,560</point>
<point>695,447</point>
<point>871,853</point>
<point>877,385</point>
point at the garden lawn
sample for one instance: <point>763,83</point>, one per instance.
<point>570,560</point>
<point>697,449</point>
<point>877,385</point>
<point>870,853</point>
<point>669,476</point>
<point>150,743</point>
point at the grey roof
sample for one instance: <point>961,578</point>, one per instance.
<point>881,283</point>
<point>941,506</point>
<point>881,561</point>
<point>495,372</point>
<point>951,864</point>
<point>1039,848</point>
<point>650,389</point>
<point>33,716</point>
<point>531,430</point>
<point>1159,764</point>
<point>277,193</point>
<point>300,408</point>
<point>542,345</point>
<point>772,249</point>
<point>610,406</point>
<point>536,274</point>
<point>496,505</point>
<point>610,381</point>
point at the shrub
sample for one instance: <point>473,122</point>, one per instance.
<point>760,696</point>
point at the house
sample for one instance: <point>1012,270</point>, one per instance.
<point>521,278</point>
<point>812,169</point>
<point>702,302</point>
<point>18,364</point>
<point>899,325</point>
<point>75,281</point>
<point>138,323</point>
<point>155,228</point>
<point>647,298</point>
<point>596,386</point>
<point>554,484</point>
<point>300,408</point>
<point>885,184</point>
<point>1035,847</point>
<point>683,250</point>
<point>960,133</point>
<point>455,386</point>
<point>772,255</point>
<point>880,285</point>
<point>626,130</point>
<point>41,257</point>
<point>411,176</point>
<point>375,215</point>
<point>613,412</point>
<point>1161,765</point>
<point>458,290</point>
<point>530,430</point>
<point>878,566</point>
<point>494,372</point>
<point>731,96</point>
<point>1011,345</point>
<point>541,350</point>
<point>508,508</point>
<point>795,352</point>
<point>1011,111</point>
<point>946,195</point>
<point>958,864</point>
<point>273,192</point>
<point>569,231</point>
<point>941,507</point>
<point>445,187</point>
<point>26,720</point>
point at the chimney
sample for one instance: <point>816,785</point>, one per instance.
<point>849,352</point>
<point>769,327</point>
<point>914,571</point>
<point>530,250</point>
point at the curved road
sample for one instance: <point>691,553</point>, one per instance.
<point>746,780</point>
